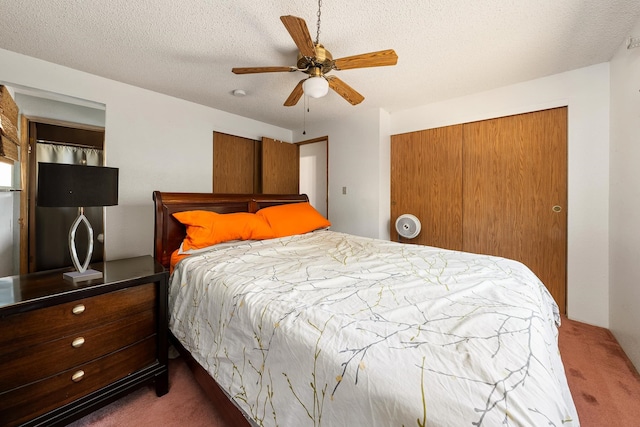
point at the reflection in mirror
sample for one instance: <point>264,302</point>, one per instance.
<point>52,128</point>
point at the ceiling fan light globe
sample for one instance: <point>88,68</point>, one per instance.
<point>315,87</point>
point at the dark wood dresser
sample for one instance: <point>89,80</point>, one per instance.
<point>67,349</point>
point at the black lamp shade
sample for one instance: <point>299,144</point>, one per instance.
<point>62,185</point>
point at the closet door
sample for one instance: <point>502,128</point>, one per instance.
<point>280,167</point>
<point>426,181</point>
<point>515,192</point>
<point>234,163</point>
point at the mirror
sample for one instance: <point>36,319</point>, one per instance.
<point>51,123</point>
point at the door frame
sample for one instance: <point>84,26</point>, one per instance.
<point>315,141</point>
<point>28,163</point>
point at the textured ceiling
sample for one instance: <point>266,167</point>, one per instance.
<point>446,48</point>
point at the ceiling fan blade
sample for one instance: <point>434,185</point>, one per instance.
<point>253,70</point>
<point>344,90</point>
<point>299,32</point>
<point>296,94</point>
<point>371,59</point>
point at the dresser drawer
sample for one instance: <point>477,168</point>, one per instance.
<point>31,400</point>
<point>27,329</point>
<point>40,361</point>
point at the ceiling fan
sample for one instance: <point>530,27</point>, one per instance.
<point>316,61</point>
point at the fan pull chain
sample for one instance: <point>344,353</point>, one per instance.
<point>318,33</point>
<point>304,116</point>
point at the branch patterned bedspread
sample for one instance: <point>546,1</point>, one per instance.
<point>332,329</point>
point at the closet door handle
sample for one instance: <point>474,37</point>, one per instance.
<point>557,208</point>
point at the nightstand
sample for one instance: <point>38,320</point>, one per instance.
<point>67,349</point>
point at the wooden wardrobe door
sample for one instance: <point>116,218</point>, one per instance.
<point>515,192</point>
<point>426,181</point>
<point>280,167</point>
<point>234,164</point>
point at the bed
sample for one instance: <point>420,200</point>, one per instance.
<point>326,328</point>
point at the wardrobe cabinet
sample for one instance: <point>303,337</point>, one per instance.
<point>244,166</point>
<point>496,187</point>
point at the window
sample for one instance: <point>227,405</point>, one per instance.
<point>6,173</point>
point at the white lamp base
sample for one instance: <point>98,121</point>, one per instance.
<point>76,276</point>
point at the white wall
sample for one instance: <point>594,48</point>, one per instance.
<point>158,142</point>
<point>313,174</point>
<point>356,146</point>
<point>384,175</point>
<point>64,109</point>
<point>625,199</point>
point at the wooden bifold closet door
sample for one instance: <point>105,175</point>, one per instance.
<point>280,167</point>
<point>244,166</point>
<point>234,163</point>
<point>513,196</point>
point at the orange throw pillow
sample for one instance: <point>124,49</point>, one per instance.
<point>206,228</point>
<point>293,218</point>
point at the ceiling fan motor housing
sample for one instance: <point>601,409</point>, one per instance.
<point>323,60</point>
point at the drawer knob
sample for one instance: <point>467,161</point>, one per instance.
<point>77,342</point>
<point>78,309</point>
<point>78,376</point>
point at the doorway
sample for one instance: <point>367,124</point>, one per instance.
<point>47,232</point>
<point>314,172</point>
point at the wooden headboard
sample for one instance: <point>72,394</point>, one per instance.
<point>169,232</point>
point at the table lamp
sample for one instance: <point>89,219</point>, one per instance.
<point>81,186</point>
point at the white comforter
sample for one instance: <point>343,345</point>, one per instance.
<point>337,330</point>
